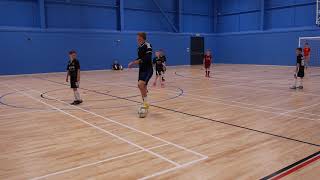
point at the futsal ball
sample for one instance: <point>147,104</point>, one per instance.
<point>142,112</point>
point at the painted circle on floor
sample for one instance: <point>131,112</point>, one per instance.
<point>46,96</point>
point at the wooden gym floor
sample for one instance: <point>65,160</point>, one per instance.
<point>243,123</point>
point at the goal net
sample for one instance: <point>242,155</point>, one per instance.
<point>314,44</point>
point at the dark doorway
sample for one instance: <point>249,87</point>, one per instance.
<point>197,50</point>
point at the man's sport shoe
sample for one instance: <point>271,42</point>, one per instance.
<point>146,105</point>
<point>293,87</point>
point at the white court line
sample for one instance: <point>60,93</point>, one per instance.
<point>123,125</point>
<point>261,106</point>
<point>294,110</point>
<point>172,169</point>
<point>94,163</point>
<point>157,90</point>
<point>243,85</point>
<point>177,165</point>
<point>269,107</point>
<point>223,77</point>
<point>94,126</point>
<point>219,102</point>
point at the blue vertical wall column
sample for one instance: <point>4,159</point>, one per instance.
<point>215,15</point>
<point>180,15</point>
<point>262,14</point>
<point>121,15</point>
<point>42,14</point>
<point>211,15</point>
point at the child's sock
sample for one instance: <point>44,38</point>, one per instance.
<point>301,83</point>
<point>77,95</point>
<point>295,82</point>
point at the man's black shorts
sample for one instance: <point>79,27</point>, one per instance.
<point>145,76</point>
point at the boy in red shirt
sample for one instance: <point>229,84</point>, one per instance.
<point>306,54</point>
<point>207,61</point>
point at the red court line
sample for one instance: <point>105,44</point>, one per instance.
<point>295,169</point>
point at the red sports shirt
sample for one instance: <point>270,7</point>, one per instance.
<point>306,51</point>
<point>207,59</point>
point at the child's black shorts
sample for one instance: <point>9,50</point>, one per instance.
<point>159,71</point>
<point>73,82</point>
<point>300,74</point>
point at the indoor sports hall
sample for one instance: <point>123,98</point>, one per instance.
<point>159,89</point>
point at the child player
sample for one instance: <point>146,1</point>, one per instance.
<point>299,72</point>
<point>164,61</point>
<point>207,60</point>
<point>306,54</point>
<point>73,70</point>
<point>144,61</point>
<point>159,66</point>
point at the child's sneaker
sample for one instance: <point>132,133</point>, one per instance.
<point>74,103</point>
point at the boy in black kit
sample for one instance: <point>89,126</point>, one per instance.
<point>299,72</point>
<point>73,70</point>
<point>159,67</point>
<point>164,61</point>
<point>144,61</point>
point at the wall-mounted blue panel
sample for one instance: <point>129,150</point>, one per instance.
<point>305,15</point>
<point>249,5</point>
<point>228,6</point>
<point>278,14</point>
<point>196,6</point>
<point>250,21</point>
<point>305,1</point>
<point>141,4</point>
<point>19,13</point>
<point>277,48</point>
<point>228,23</point>
<point>197,16</point>
<point>147,21</point>
<point>280,18</point>
<point>81,17</point>
<point>48,52</point>
<point>278,3</point>
<point>199,24</point>
<point>236,15</point>
<point>166,5</point>
<point>102,2</point>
